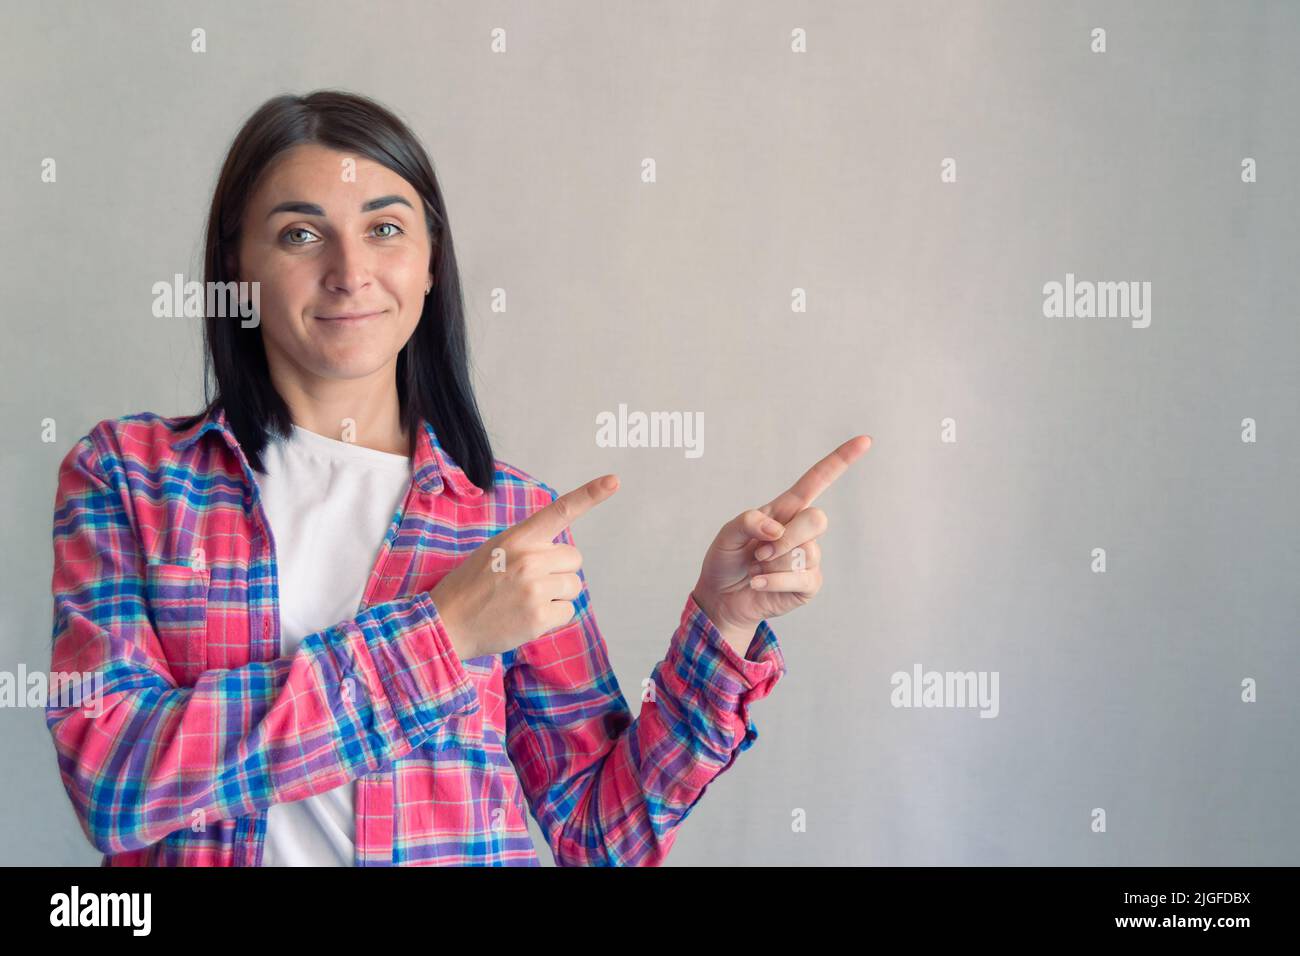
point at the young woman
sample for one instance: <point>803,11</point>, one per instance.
<point>331,628</point>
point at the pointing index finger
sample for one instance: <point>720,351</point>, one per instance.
<point>546,523</point>
<point>816,479</point>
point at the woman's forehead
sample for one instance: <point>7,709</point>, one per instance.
<point>329,173</point>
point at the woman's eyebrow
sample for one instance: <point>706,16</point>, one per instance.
<point>311,209</point>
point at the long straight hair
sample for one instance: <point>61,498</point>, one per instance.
<point>433,380</point>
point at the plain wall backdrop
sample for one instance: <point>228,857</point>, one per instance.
<point>779,170</point>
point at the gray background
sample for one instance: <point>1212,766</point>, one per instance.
<point>778,170</point>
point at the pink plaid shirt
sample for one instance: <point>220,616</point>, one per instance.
<point>165,587</point>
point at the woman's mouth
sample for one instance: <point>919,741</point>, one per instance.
<point>350,316</point>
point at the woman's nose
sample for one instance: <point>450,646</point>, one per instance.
<point>349,266</point>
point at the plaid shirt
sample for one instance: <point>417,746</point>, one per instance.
<point>165,586</point>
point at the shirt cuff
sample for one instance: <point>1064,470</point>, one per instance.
<point>761,660</point>
<point>730,683</point>
<point>425,684</point>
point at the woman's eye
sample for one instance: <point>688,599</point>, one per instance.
<point>305,232</point>
<point>305,237</point>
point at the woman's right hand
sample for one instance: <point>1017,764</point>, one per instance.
<point>519,584</point>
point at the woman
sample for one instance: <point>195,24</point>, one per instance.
<point>331,627</point>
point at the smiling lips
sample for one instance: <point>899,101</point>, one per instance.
<point>350,316</point>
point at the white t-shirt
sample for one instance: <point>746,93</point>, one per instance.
<point>330,504</point>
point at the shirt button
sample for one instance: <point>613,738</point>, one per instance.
<point>266,627</point>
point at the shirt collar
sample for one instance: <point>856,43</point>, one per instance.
<point>431,468</point>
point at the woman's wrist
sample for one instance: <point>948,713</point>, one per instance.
<point>738,637</point>
<point>452,625</point>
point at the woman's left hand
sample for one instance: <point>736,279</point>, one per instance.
<point>737,588</point>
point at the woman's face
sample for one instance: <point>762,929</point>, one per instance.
<point>340,248</point>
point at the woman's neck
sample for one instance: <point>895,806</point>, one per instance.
<point>365,412</point>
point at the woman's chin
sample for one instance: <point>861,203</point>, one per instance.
<point>351,366</point>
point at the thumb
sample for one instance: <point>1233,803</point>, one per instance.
<point>745,527</point>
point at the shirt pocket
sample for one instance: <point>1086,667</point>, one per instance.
<point>178,601</point>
